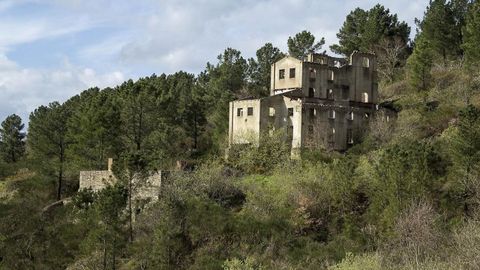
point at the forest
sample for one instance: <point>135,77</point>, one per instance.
<point>406,197</point>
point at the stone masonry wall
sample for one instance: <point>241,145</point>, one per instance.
<point>96,180</point>
<point>147,188</point>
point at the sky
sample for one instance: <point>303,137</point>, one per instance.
<point>51,50</point>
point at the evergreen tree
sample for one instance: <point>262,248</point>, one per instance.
<point>471,42</point>
<point>222,83</point>
<point>363,30</point>
<point>48,142</point>
<point>138,101</point>
<point>350,35</point>
<point>440,28</point>
<point>420,64</point>
<point>190,110</point>
<point>302,44</point>
<point>259,69</point>
<point>466,143</point>
<point>12,144</point>
<point>94,129</point>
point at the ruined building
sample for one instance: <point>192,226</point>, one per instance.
<point>320,102</point>
<point>146,188</point>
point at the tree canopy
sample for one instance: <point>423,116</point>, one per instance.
<point>12,144</point>
<point>363,29</point>
<point>303,43</point>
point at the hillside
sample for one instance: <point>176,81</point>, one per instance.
<point>407,196</point>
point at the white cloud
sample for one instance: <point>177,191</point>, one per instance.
<point>187,34</point>
<point>23,89</point>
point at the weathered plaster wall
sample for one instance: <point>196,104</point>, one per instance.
<point>325,84</point>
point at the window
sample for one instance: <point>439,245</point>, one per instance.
<point>240,112</point>
<point>350,115</point>
<point>331,114</point>
<point>290,131</point>
<point>313,113</point>
<point>271,111</point>
<point>313,73</point>
<point>281,74</point>
<point>310,130</point>
<point>311,92</point>
<point>349,136</point>
<point>292,73</point>
<point>330,94</point>
<point>331,75</point>
<point>250,111</point>
<point>345,92</point>
<point>290,111</point>
<point>365,62</point>
<point>365,97</point>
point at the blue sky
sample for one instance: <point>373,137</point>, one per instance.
<point>51,50</point>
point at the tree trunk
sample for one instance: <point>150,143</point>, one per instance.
<point>130,210</point>
<point>104,254</point>
<point>195,132</point>
<point>60,174</point>
<point>113,254</point>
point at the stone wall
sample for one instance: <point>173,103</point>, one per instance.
<point>148,188</point>
<point>144,188</point>
<point>96,180</point>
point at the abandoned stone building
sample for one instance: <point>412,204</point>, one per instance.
<point>146,189</point>
<point>319,102</point>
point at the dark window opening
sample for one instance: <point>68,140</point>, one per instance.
<point>290,111</point>
<point>310,130</point>
<point>349,136</point>
<point>365,62</point>
<point>292,73</point>
<point>313,113</point>
<point>311,92</point>
<point>350,116</point>
<point>240,112</point>
<point>250,111</point>
<point>330,94</point>
<point>331,75</point>
<point>281,74</point>
<point>345,92</point>
<point>290,132</point>
<point>331,136</point>
<point>331,114</point>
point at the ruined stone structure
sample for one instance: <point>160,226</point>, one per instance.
<point>146,188</point>
<point>319,102</point>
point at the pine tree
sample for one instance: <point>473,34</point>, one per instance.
<point>302,44</point>
<point>94,129</point>
<point>471,42</point>
<point>440,29</point>
<point>221,84</point>
<point>12,144</point>
<point>259,69</point>
<point>363,30</point>
<point>47,139</point>
<point>350,35</point>
<point>420,64</point>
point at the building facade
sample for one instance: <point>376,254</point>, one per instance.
<point>320,102</point>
